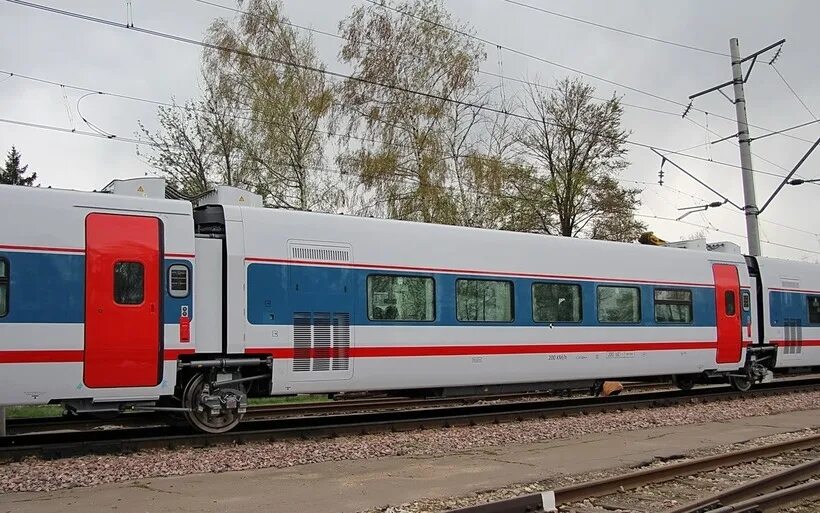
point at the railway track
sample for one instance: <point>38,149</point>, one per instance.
<point>127,439</point>
<point>797,481</point>
<point>19,426</point>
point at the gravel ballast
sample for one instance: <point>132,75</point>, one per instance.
<point>45,475</point>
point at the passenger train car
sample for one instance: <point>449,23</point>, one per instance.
<point>125,299</point>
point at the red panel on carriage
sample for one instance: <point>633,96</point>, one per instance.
<point>123,338</point>
<point>727,303</point>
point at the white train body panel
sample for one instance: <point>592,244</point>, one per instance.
<point>446,352</point>
<point>43,353</point>
<point>790,290</point>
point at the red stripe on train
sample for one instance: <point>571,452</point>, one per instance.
<point>67,355</point>
<point>476,350</point>
<point>803,343</point>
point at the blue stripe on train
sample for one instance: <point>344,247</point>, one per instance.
<point>276,291</point>
<point>49,288</point>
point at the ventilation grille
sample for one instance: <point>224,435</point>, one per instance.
<point>325,253</point>
<point>790,284</point>
<point>321,341</point>
<point>794,336</point>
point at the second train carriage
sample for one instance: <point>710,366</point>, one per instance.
<point>127,299</point>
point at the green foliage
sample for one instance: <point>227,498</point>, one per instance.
<point>425,161</point>
<point>12,173</point>
<point>435,157</point>
<point>282,140</point>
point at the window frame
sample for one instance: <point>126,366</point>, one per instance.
<point>114,283</point>
<point>598,303</point>
<point>380,275</point>
<point>809,297</point>
<point>568,284</point>
<point>170,291</point>
<point>690,303</point>
<point>6,280</point>
<point>512,301</point>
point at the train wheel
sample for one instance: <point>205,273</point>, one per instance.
<point>200,415</point>
<point>684,382</point>
<point>741,383</point>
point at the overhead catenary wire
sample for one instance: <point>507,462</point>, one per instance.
<point>314,69</point>
<point>556,64</point>
<point>797,96</point>
<point>182,39</point>
<point>338,171</point>
<point>616,29</point>
<point>493,74</point>
<point>777,244</point>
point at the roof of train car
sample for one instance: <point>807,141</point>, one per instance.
<point>421,246</point>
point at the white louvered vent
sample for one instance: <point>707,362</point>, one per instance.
<point>341,341</point>
<point>320,252</point>
<point>321,341</point>
<point>302,341</point>
<point>790,284</point>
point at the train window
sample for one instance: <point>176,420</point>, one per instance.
<point>673,305</point>
<point>556,302</point>
<point>178,281</point>
<point>619,304</point>
<point>4,287</point>
<point>729,298</point>
<point>129,283</point>
<point>814,309</point>
<point>484,300</point>
<point>400,298</point>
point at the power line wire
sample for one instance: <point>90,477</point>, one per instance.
<point>480,71</point>
<point>793,92</point>
<point>340,172</point>
<point>615,29</point>
<point>559,65</point>
<point>778,244</point>
<point>337,74</point>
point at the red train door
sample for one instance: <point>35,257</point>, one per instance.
<point>123,341</point>
<point>727,304</point>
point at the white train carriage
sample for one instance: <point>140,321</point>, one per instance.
<point>111,301</point>
<point>790,293</point>
<point>95,299</point>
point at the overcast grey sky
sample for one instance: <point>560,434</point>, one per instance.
<point>80,53</point>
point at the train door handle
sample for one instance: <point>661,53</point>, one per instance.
<point>152,307</point>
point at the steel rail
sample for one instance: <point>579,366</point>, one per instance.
<point>751,488</point>
<point>62,444</point>
<point>774,501</point>
<point>577,492</point>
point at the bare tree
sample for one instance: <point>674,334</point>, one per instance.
<point>576,148</point>
<point>197,146</point>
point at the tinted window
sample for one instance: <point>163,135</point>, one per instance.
<point>731,307</point>
<point>556,302</point>
<point>814,309</point>
<point>4,287</point>
<point>673,305</point>
<point>619,304</point>
<point>484,300</point>
<point>129,283</point>
<point>400,298</point>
